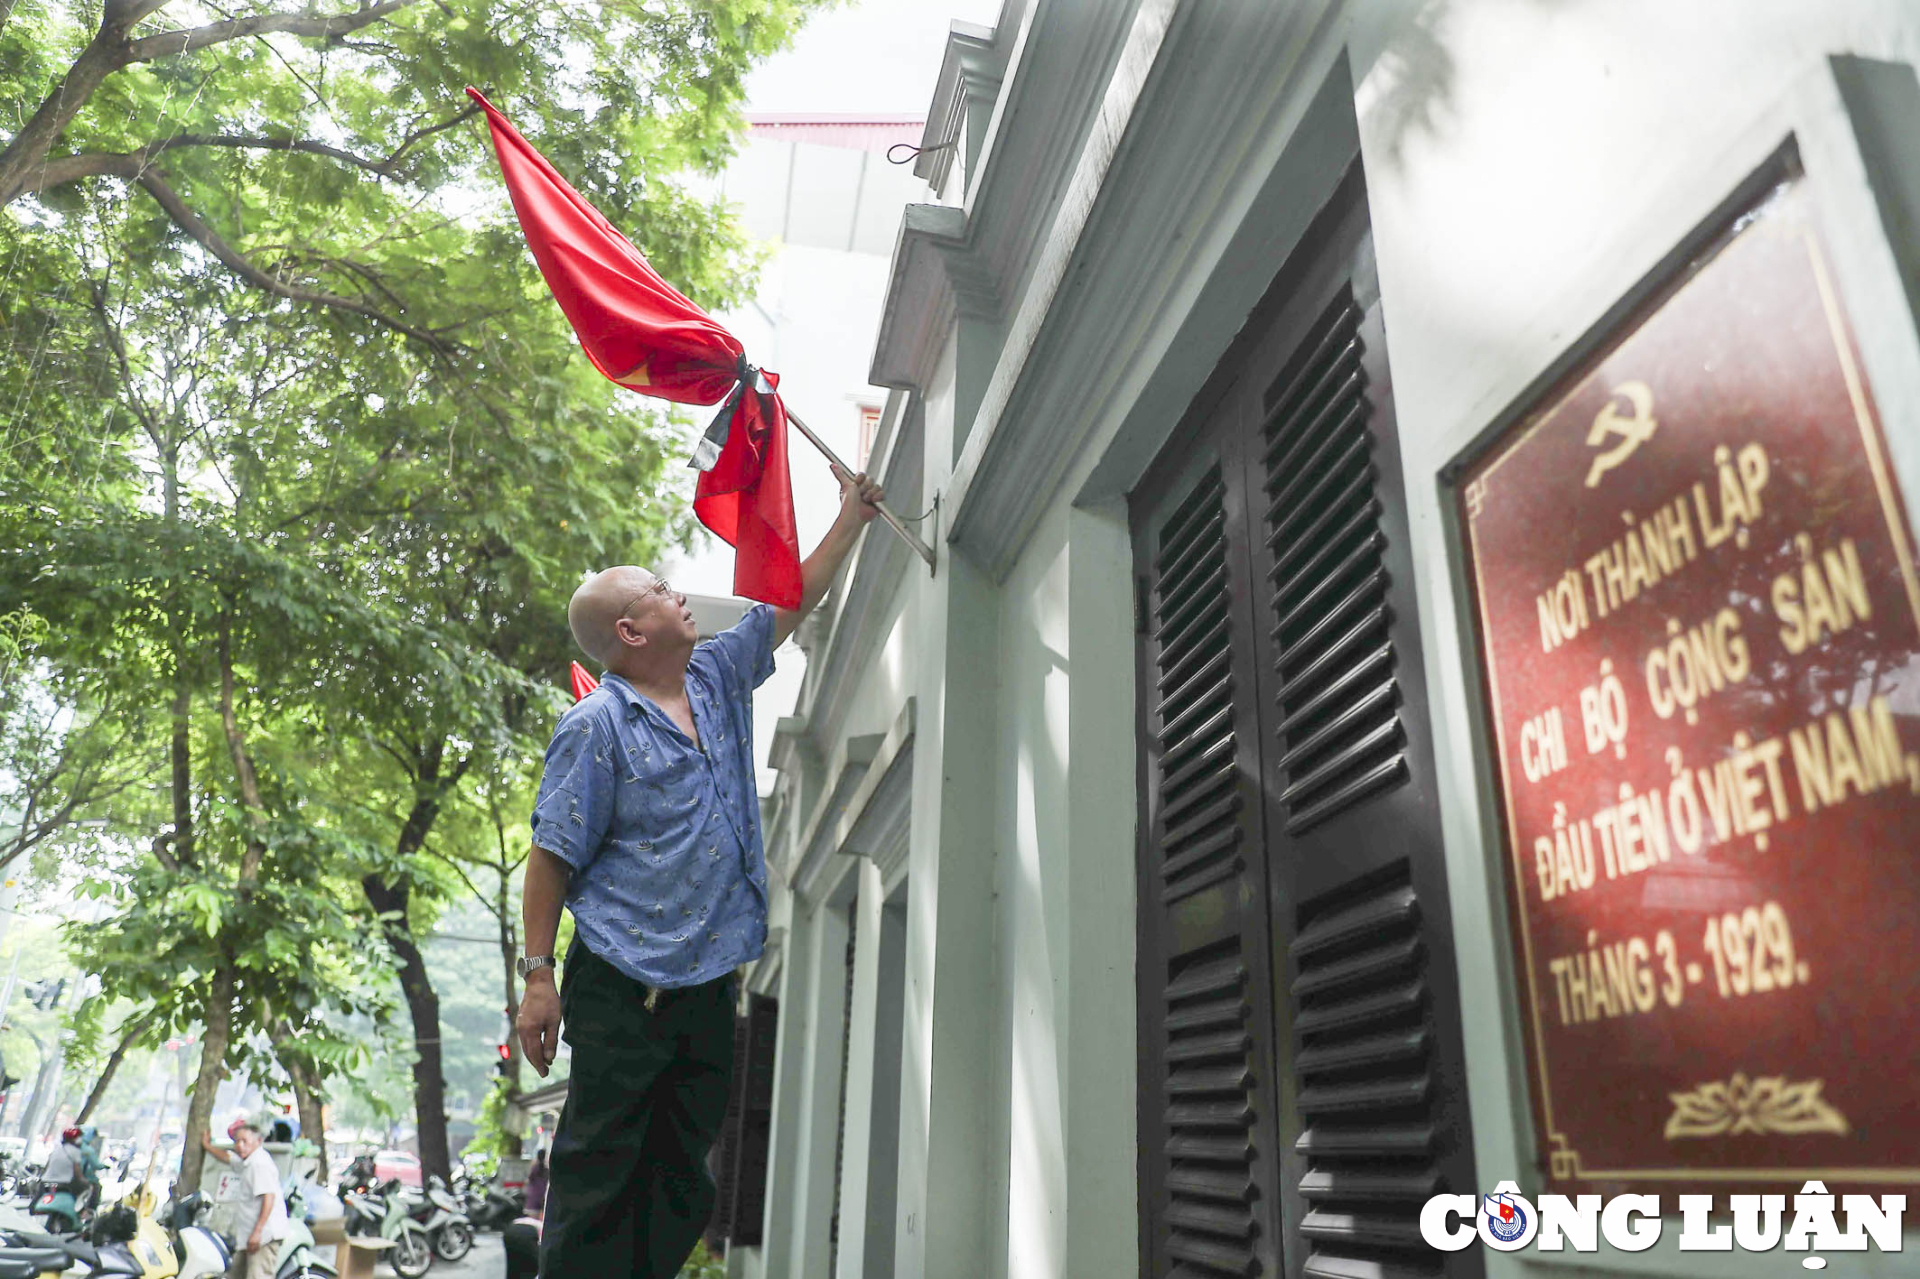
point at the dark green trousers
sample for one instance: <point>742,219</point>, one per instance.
<point>630,1193</point>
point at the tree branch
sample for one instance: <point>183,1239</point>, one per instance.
<point>130,1030</point>
<point>308,26</point>
<point>464,878</point>
<point>133,166</point>
<point>118,346</point>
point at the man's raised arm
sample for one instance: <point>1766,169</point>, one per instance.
<point>816,573</point>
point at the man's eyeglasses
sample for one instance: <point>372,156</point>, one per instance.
<point>660,587</point>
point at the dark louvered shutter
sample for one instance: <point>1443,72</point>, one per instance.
<point>725,1156</point>
<point>1209,1145</point>
<point>1290,834</point>
<point>1378,1112</point>
<point>741,1151</point>
<point>1339,732</point>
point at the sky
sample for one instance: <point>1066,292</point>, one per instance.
<point>895,45</point>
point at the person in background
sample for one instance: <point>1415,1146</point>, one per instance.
<point>263,1186</point>
<point>521,1239</point>
<point>91,1164</point>
<point>62,1183</point>
<point>537,1185</point>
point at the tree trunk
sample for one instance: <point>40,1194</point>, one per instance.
<point>130,1032</point>
<point>214,1041</point>
<point>182,850</point>
<point>313,1119</point>
<point>182,726</point>
<point>423,1005</point>
<point>104,54</point>
<point>429,1084</point>
<point>509,945</point>
<point>306,1091</point>
<point>250,803</point>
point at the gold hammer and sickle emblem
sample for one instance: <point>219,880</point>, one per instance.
<point>1633,429</point>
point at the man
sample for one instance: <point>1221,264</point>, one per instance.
<point>62,1182</point>
<point>647,827</point>
<point>263,1187</point>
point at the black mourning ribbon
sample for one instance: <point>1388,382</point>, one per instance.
<point>707,451</point>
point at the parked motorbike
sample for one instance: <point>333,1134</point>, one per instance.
<point>298,1259</point>
<point>14,1177</point>
<point>60,1206</point>
<point>491,1208</point>
<point>448,1227</point>
<point>125,1240</point>
<point>384,1213</point>
<point>359,1176</point>
<point>201,1251</point>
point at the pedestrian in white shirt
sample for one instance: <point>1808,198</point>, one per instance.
<point>263,1187</point>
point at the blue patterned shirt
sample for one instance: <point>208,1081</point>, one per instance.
<point>669,881</point>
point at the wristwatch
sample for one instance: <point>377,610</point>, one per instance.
<point>528,964</point>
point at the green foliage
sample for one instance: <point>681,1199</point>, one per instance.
<point>703,1264</point>
<point>299,465</point>
<point>490,1136</point>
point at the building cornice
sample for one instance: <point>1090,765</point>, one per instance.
<point>972,261</point>
<point>877,822</point>
<point>808,867</point>
<point>1160,194</point>
<point>923,295</point>
<point>963,96</point>
<point>1059,56</point>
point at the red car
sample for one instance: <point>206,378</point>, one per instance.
<point>397,1164</point>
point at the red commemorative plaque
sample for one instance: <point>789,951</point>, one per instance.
<point>1700,627</point>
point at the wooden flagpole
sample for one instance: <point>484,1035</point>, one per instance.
<point>845,474</point>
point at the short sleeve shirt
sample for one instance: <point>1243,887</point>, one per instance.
<point>669,876</point>
<point>263,1178</point>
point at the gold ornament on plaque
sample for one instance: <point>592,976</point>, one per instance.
<point>1768,1105</point>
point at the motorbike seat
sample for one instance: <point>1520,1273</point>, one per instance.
<point>23,1263</point>
<point>82,1252</point>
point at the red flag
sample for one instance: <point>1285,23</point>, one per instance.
<point>639,331</point>
<point>583,683</point>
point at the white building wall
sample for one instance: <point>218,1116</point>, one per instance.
<point>1527,162</point>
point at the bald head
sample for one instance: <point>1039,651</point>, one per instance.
<point>596,608</point>
<point>634,625</point>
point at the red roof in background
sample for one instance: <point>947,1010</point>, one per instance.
<point>855,132</point>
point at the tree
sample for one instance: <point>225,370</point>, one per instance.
<point>323,456</point>
<point>216,122</point>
